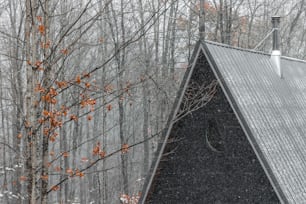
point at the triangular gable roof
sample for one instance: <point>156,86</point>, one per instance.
<point>270,109</point>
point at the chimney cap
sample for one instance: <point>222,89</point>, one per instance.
<point>276,53</point>
<point>275,21</point>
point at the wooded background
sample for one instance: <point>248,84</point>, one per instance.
<point>86,86</point>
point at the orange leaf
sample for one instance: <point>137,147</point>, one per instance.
<point>124,148</point>
<point>46,113</point>
<point>83,104</point>
<point>69,171</point>
<point>55,188</point>
<point>57,168</point>
<point>54,123</point>
<point>41,120</point>
<point>38,63</point>
<point>46,98</point>
<point>61,84</point>
<point>89,117</point>
<point>39,18</point>
<point>65,154</point>
<point>52,153</point>
<point>23,178</point>
<point>46,131</point>
<point>64,51</point>
<point>142,78</point>
<point>78,79</point>
<point>41,29</point>
<point>60,124</point>
<point>44,177</point>
<point>86,75</point>
<point>91,102</point>
<point>87,85</point>
<point>109,88</point>
<point>19,136</point>
<point>125,198</point>
<point>109,107</point>
<point>36,103</point>
<point>128,85</point>
<point>39,88</point>
<point>64,110</point>
<point>53,92</point>
<point>45,45</point>
<point>27,124</point>
<point>73,117</point>
<point>79,173</point>
<point>52,138</point>
<point>84,159</point>
<point>53,101</point>
<point>55,134</point>
<point>102,154</point>
<point>96,149</point>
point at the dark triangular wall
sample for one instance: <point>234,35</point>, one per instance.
<point>225,170</point>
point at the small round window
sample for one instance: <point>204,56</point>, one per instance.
<point>214,140</point>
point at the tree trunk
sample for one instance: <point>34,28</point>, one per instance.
<point>145,94</point>
<point>31,134</point>
<point>47,82</point>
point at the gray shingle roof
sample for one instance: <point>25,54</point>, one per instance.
<point>271,110</point>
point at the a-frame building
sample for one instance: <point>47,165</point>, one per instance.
<point>247,144</point>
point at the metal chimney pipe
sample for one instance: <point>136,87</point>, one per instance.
<point>276,52</point>
<point>276,37</point>
<point>202,20</point>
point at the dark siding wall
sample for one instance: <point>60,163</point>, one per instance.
<point>192,172</point>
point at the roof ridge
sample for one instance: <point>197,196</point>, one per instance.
<point>236,48</point>
<point>293,59</point>
<point>251,50</point>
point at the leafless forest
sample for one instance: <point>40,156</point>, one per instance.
<point>86,86</point>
